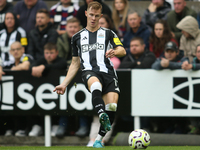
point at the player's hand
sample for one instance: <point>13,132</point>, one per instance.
<point>110,53</point>
<point>60,89</point>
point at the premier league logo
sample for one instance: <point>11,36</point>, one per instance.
<point>186,94</point>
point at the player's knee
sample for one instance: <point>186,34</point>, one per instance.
<point>111,107</point>
<point>95,86</point>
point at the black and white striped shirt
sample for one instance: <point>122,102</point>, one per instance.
<point>92,47</point>
<point>7,39</point>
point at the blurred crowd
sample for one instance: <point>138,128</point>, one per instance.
<point>35,38</point>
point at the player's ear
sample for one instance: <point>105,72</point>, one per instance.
<point>86,13</point>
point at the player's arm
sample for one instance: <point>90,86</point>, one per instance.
<point>73,69</point>
<point>119,51</point>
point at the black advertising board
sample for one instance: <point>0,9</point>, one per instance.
<point>23,94</point>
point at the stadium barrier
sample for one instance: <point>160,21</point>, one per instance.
<point>164,93</point>
<point>143,93</point>
<point>23,94</point>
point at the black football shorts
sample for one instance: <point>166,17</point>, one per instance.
<point>109,82</point>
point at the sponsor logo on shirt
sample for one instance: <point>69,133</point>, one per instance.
<point>90,47</point>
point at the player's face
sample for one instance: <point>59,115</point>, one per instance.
<point>170,55</point>
<point>158,3</point>
<point>42,19</point>
<point>93,17</point>
<point>50,55</point>
<point>179,5</point>
<point>198,53</point>
<point>16,50</point>
<point>136,47</point>
<point>72,28</point>
<point>9,20</point>
<point>134,20</point>
<point>158,29</point>
<point>103,23</point>
<point>119,5</point>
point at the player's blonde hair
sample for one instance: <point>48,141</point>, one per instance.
<point>95,5</point>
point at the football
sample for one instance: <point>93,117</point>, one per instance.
<point>139,139</point>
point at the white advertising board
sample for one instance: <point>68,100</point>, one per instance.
<point>165,93</point>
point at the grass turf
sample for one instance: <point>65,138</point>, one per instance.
<point>106,148</point>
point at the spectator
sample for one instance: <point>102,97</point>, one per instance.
<point>195,64</point>
<point>51,60</point>
<point>157,9</point>
<point>160,35</point>
<point>4,8</point>
<point>139,57</point>
<point>176,15</point>
<point>119,16</point>
<point>10,33</point>
<point>81,12</point>
<point>137,29</point>
<point>26,12</point>
<point>43,33</point>
<point>106,22</point>
<point>40,68</point>
<point>60,13</point>
<point>190,37</point>
<point>64,41</point>
<point>22,60</point>
<point>173,58</point>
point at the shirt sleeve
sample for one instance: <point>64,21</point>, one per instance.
<point>114,40</point>
<point>74,46</point>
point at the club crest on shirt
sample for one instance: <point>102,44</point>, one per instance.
<point>101,35</point>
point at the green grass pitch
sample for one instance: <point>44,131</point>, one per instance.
<point>106,148</point>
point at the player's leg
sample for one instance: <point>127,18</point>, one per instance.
<point>95,88</point>
<point>110,100</point>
